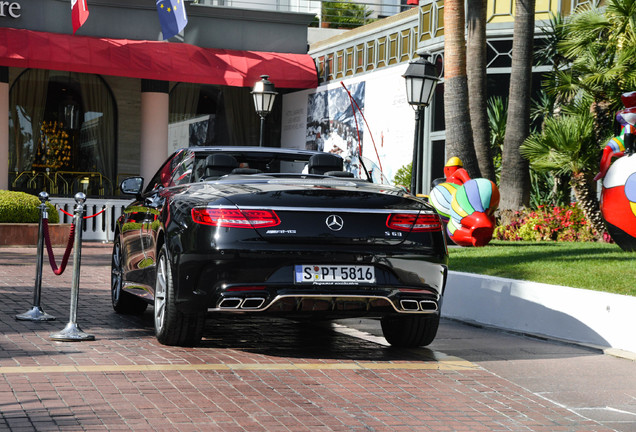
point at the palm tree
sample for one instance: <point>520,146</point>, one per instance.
<point>553,35</point>
<point>567,145</point>
<point>459,134</point>
<point>550,102</point>
<point>600,44</point>
<point>497,119</point>
<point>345,14</point>
<point>477,89</point>
<point>515,179</point>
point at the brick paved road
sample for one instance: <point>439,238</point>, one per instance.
<point>248,375</point>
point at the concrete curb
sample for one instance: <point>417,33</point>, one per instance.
<point>596,319</point>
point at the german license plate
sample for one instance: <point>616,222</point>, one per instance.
<point>334,274</point>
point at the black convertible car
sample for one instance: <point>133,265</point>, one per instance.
<point>248,230</point>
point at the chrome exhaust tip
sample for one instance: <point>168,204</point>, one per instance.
<point>230,303</point>
<point>253,303</point>
<point>427,305</point>
<point>409,305</point>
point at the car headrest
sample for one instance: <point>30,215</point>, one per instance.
<point>321,163</point>
<point>340,174</point>
<point>246,171</point>
<point>217,165</point>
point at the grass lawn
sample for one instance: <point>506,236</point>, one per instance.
<point>595,266</point>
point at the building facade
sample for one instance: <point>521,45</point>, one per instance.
<point>372,60</point>
<point>79,112</point>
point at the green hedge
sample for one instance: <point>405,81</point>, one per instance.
<point>21,207</point>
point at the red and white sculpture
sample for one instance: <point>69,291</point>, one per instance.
<point>618,196</point>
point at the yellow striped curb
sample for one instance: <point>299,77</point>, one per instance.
<point>449,363</point>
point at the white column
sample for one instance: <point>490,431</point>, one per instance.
<point>4,130</point>
<point>154,127</point>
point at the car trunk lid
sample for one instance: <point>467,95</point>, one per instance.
<point>330,211</point>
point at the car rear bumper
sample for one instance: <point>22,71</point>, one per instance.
<point>262,282</point>
<point>328,304</point>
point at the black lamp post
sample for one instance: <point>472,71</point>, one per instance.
<point>264,94</point>
<point>421,79</point>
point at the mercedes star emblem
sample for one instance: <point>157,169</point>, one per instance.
<point>334,222</point>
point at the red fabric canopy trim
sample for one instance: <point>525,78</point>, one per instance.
<point>166,61</point>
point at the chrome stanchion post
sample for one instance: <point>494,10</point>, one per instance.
<point>72,331</point>
<point>36,313</point>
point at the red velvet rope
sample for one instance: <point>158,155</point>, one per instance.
<point>49,248</point>
<point>85,217</point>
<point>96,214</point>
<point>65,212</point>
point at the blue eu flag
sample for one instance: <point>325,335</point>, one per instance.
<point>172,16</point>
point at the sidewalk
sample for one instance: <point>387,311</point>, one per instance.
<point>249,375</point>
<point>601,320</point>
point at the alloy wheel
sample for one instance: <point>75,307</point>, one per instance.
<point>116,273</point>
<point>160,293</point>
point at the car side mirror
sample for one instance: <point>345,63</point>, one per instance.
<point>132,186</point>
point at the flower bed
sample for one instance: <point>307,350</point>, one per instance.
<point>547,223</point>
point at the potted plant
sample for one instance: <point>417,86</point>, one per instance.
<point>20,217</point>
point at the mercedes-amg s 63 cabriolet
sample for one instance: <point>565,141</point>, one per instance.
<point>278,232</point>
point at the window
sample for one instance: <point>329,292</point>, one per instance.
<point>62,129</point>
<point>183,170</point>
<point>163,177</point>
<point>203,115</point>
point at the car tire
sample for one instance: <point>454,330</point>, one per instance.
<point>123,302</point>
<point>410,331</point>
<point>173,327</point>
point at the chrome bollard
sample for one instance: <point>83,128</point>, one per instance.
<point>72,331</point>
<point>36,313</point>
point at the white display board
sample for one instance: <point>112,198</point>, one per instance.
<point>322,118</point>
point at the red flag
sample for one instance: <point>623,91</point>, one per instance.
<point>79,13</point>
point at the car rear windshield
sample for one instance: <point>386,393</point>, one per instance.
<point>263,162</point>
<point>286,163</point>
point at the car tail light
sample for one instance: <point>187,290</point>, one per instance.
<point>412,222</point>
<point>235,218</point>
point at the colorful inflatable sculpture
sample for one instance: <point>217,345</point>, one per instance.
<point>618,196</point>
<point>466,205</point>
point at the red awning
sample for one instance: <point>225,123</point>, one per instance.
<point>154,60</point>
